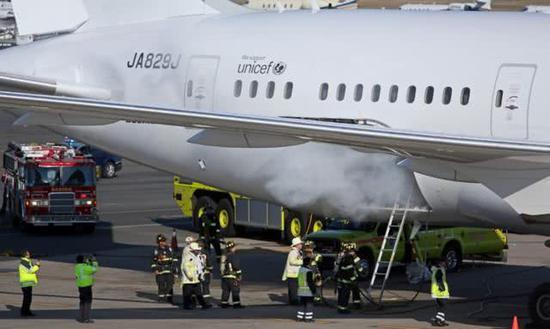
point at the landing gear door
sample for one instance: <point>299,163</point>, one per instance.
<point>201,83</point>
<point>511,97</point>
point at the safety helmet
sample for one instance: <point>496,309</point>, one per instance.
<point>160,238</point>
<point>296,241</point>
<point>229,244</point>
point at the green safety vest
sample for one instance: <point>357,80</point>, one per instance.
<point>303,287</point>
<point>435,287</point>
<point>84,273</point>
<point>27,273</point>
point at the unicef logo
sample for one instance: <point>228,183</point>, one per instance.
<point>279,68</point>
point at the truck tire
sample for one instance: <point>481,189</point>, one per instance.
<point>295,225</point>
<point>452,254</point>
<point>367,263</point>
<point>225,215</point>
<point>539,305</point>
<point>198,209</point>
<point>108,170</point>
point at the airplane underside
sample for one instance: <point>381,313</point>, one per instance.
<point>326,179</point>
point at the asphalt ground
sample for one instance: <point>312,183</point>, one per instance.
<point>137,205</point>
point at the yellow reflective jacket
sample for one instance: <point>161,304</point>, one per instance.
<point>437,293</point>
<point>27,273</point>
<point>293,263</point>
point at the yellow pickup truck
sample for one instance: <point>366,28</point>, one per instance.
<point>452,243</point>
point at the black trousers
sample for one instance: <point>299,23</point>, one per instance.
<point>27,300</point>
<point>190,290</point>
<point>305,312</point>
<point>4,200</point>
<point>205,285</point>
<point>440,310</point>
<point>293,291</point>
<point>165,284</point>
<point>85,296</point>
<point>356,295</point>
<point>231,287</point>
<point>344,291</point>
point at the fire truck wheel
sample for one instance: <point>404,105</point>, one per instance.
<point>295,225</point>
<point>226,218</point>
<point>539,305</point>
<point>198,209</point>
<point>108,170</point>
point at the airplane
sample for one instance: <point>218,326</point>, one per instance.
<point>344,112</point>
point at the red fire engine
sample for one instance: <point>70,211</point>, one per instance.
<point>49,185</point>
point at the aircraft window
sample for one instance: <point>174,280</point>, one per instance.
<point>429,95</point>
<point>270,91</point>
<point>465,99</point>
<point>286,5</point>
<point>394,91</point>
<point>411,94</point>
<point>498,102</point>
<point>341,94</point>
<point>375,97</point>
<point>189,88</point>
<point>447,95</point>
<point>291,6</point>
<point>288,90</point>
<point>263,5</point>
<point>253,91</point>
<point>323,91</point>
<point>237,90</point>
<point>358,95</point>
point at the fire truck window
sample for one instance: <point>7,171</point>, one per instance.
<point>78,176</point>
<point>43,177</point>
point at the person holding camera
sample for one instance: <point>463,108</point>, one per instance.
<point>84,271</point>
<point>27,280</point>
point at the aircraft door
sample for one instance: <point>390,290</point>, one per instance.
<point>511,97</point>
<point>201,83</point>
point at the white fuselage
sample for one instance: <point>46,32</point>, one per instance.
<point>489,73</point>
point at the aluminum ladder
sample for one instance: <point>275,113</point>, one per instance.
<point>389,247</point>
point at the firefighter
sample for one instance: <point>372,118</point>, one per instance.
<point>210,233</point>
<point>84,271</point>
<point>290,275</point>
<point>231,277</point>
<point>206,276</point>
<point>164,266</point>
<point>27,279</point>
<point>440,292</point>
<point>191,269</point>
<point>347,268</point>
<point>309,251</point>
<point>306,290</point>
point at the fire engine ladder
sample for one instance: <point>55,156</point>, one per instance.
<point>389,247</point>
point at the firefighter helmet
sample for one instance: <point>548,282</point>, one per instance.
<point>161,238</point>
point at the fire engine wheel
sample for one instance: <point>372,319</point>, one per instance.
<point>539,305</point>
<point>317,225</point>
<point>226,219</point>
<point>453,256</point>
<point>294,226</point>
<point>198,209</point>
<point>366,263</point>
<point>108,170</point>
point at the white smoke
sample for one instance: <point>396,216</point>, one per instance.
<point>336,181</point>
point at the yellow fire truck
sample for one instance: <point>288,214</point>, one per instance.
<point>236,212</point>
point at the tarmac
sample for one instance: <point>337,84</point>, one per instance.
<point>138,204</point>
